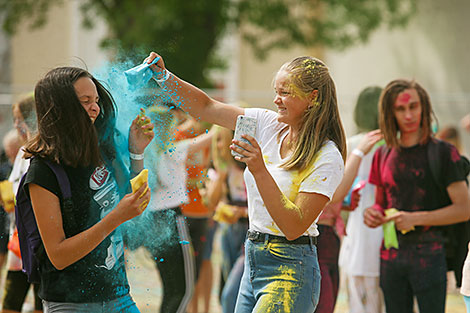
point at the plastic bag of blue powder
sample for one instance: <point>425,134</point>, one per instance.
<point>139,76</point>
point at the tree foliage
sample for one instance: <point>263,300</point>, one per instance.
<point>336,24</point>
<point>187,32</point>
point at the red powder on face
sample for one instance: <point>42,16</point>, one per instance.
<point>404,97</point>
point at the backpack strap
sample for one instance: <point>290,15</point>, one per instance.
<point>71,226</point>
<point>62,179</point>
<point>434,149</point>
<point>433,153</point>
<point>456,236</point>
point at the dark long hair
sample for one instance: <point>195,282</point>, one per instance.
<point>65,132</point>
<point>387,121</point>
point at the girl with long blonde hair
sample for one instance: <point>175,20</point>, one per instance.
<point>294,164</point>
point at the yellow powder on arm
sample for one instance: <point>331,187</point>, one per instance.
<point>289,205</point>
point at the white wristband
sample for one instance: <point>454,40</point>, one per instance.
<point>165,74</point>
<point>358,152</point>
<point>136,157</point>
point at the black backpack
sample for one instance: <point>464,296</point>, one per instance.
<point>456,236</point>
<point>31,247</point>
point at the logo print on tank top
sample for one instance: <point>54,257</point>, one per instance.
<point>99,178</point>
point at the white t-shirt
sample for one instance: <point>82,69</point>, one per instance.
<point>465,289</point>
<point>327,173</point>
<point>360,250</point>
<point>20,167</point>
<point>167,179</point>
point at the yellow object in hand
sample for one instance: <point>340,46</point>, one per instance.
<point>142,114</point>
<point>393,211</point>
<point>408,230</point>
<point>8,197</point>
<point>223,213</point>
<point>390,212</point>
<point>139,181</point>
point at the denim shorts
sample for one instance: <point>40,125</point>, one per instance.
<point>279,277</point>
<point>120,305</point>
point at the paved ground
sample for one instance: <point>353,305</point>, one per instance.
<point>146,287</point>
<point>146,291</point>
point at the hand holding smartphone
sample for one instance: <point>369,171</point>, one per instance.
<point>245,126</point>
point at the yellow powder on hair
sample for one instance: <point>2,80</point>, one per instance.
<point>296,91</point>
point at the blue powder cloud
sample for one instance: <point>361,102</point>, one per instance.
<point>143,230</point>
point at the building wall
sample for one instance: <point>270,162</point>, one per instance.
<point>249,79</point>
<point>433,49</point>
<point>61,42</point>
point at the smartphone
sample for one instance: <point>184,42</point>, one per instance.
<point>245,126</point>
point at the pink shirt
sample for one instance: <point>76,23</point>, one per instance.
<point>333,211</point>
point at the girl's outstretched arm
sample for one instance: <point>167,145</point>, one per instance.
<point>64,251</point>
<point>195,101</point>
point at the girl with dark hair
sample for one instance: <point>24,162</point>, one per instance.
<point>83,269</point>
<point>294,165</point>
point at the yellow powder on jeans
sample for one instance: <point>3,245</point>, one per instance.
<point>281,292</point>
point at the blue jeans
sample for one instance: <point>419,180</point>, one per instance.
<point>231,242</point>
<point>120,305</point>
<point>232,285</point>
<point>414,270</point>
<point>279,277</point>
<point>467,303</point>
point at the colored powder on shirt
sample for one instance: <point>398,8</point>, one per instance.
<point>273,228</point>
<point>299,177</point>
<point>266,160</point>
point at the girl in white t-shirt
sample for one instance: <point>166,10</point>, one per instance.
<point>294,164</point>
<point>16,286</point>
